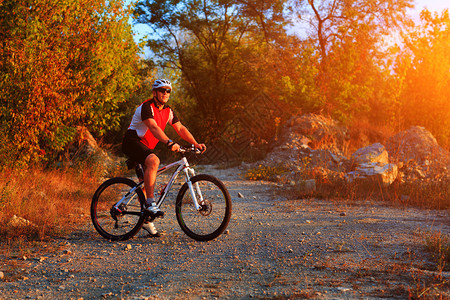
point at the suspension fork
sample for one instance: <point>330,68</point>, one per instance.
<point>190,172</point>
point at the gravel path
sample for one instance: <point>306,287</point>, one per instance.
<point>274,248</point>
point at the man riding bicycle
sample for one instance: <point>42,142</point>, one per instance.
<point>144,133</point>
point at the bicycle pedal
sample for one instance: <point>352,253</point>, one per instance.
<point>159,215</point>
<point>150,216</point>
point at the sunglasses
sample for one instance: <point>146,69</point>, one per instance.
<point>163,90</point>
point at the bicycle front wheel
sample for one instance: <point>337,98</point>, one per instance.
<point>215,208</point>
<point>122,223</point>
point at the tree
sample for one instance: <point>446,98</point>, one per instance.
<point>63,64</point>
<point>423,66</point>
<point>218,47</point>
<point>347,37</point>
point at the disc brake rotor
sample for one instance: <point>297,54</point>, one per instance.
<point>205,208</point>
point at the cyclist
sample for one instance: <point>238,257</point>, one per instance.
<point>144,133</point>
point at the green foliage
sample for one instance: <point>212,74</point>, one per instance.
<point>64,63</point>
<point>74,62</point>
<point>219,48</point>
<point>346,36</point>
<point>229,50</point>
<point>422,70</point>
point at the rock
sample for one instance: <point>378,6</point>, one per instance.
<point>372,165</point>
<point>375,153</point>
<point>19,222</point>
<point>374,173</point>
<point>85,139</point>
<point>318,132</point>
<point>84,147</point>
<point>417,144</point>
<point>312,146</point>
<point>418,153</point>
<point>2,275</point>
<point>310,185</point>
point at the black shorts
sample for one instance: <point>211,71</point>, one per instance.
<point>134,148</point>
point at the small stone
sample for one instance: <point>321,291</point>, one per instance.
<point>342,214</point>
<point>128,247</point>
<point>2,275</point>
<point>344,289</point>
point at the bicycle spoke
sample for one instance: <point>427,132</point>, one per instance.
<point>121,223</point>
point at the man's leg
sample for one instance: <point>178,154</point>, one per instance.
<point>151,168</point>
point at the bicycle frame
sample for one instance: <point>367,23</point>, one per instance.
<point>182,164</point>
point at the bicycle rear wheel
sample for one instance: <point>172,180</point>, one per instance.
<point>215,212</point>
<point>117,224</point>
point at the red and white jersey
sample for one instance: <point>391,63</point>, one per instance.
<point>148,110</point>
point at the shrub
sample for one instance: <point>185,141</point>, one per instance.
<point>264,172</point>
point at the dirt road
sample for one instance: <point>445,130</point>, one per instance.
<point>275,248</point>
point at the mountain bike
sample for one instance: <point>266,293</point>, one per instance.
<point>202,206</point>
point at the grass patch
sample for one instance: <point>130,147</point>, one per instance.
<point>36,203</point>
<point>425,194</point>
<point>438,244</point>
<point>318,182</point>
<point>264,173</point>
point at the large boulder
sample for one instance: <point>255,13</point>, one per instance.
<point>321,132</point>
<point>313,146</point>
<point>85,141</point>
<point>382,174</point>
<point>416,144</point>
<point>19,222</point>
<point>85,149</point>
<point>371,164</point>
<point>310,141</point>
<point>418,154</point>
<point>375,153</point>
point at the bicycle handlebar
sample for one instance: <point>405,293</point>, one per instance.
<point>191,149</point>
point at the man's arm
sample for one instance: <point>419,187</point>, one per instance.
<point>156,131</point>
<point>184,133</point>
<point>159,133</point>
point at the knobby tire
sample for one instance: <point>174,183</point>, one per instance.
<point>112,225</point>
<point>213,218</point>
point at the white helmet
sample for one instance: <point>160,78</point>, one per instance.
<point>161,83</point>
